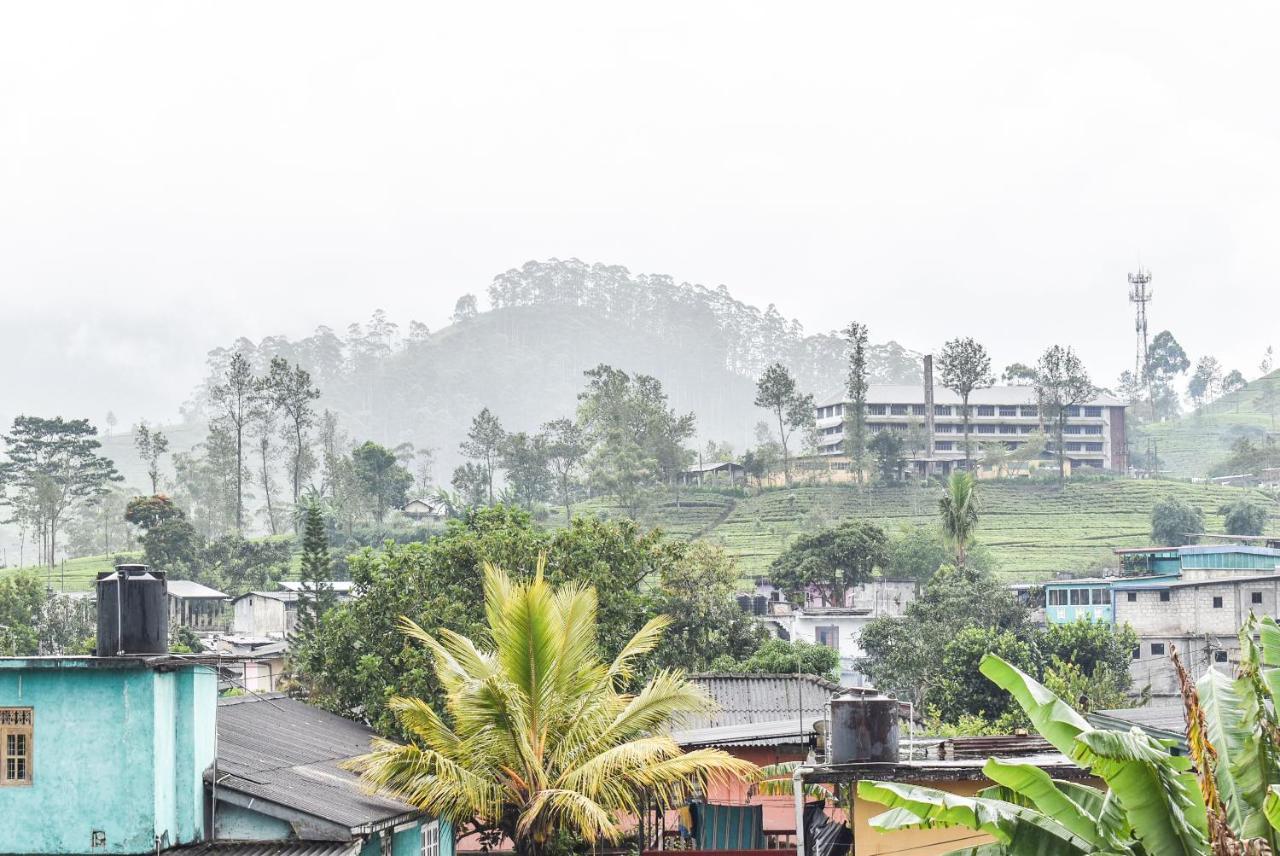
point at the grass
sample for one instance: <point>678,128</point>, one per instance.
<point>1033,531</point>
<point>74,574</point>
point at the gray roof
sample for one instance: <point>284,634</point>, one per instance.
<point>282,751</point>
<point>749,698</point>
<point>712,466</point>
<point>751,733</point>
<point>271,848</point>
<point>283,596</point>
<point>883,393</point>
<point>189,588</point>
<point>338,586</point>
<point>1166,721</point>
<point>1172,582</point>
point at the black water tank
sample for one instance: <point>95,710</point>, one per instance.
<point>133,611</point>
<point>864,729</point>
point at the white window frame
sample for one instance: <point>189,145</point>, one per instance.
<point>431,838</point>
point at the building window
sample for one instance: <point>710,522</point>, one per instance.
<point>1217,603</point>
<point>431,838</point>
<point>1101,597</point>
<point>1256,597</point>
<point>1131,596</point>
<point>917,410</point>
<point>829,636</point>
<point>1073,410</point>
<point>1157,649</point>
<point>1137,652</point>
<point>942,410</point>
<point>875,409</point>
<point>1164,597</point>
<point>1079,597</point>
<point>986,429</point>
<point>1219,656</point>
<point>898,410</point>
<point>1030,411</point>
<point>1008,411</point>
<point>16,724</point>
<point>986,410</point>
<point>943,446</point>
<point>1093,412</point>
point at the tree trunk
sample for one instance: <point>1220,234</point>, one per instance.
<point>786,459</point>
<point>965,413</point>
<point>1062,449</point>
<point>239,477</point>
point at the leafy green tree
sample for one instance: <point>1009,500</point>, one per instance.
<point>525,458</point>
<point>1165,361</point>
<point>831,561</point>
<point>886,448</point>
<point>233,402</point>
<point>21,596</point>
<point>541,736</point>
<point>204,482</point>
<point>916,553</point>
<point>484,445</point>
<point>381,480</point>
<point>293,395</point>
<point>856,335</point>
<point>1206,382</point>
<point>965,366</point>
<point>472,484</point>
<point>781,657</point>
<point>958,510</point>
<point>1243,517</point>
<point>1175,522</point>
<point>961,690</point>
<point>1061,383</point>
<point>776,392</point>
<point>902,652</point>
<point>996,456</point>
<point>316,576</point>
<point>169,542</point>
<point>151,446</point>
<point>567,445</point>
<point>235,564</point>
<point>465,308</point>
<point>1019,373</point>
<point>263,426</point>
<point>53,468</point>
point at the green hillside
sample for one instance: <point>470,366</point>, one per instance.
<point>1192,445</point>
<point>1032,530</point>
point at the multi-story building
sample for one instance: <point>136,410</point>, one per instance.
<point>931,422</point>
<point>1192,598</point>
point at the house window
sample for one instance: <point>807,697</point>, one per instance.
<point>1137,652</point>
<point>16,736</point>
<point>898,410</point>
<point>917,410</point>
<point>1256,597</point>
<point>1008,411</point>
<point>1131,596</point>
<point>986,410</point>
<point>431,838</point>
<point>1093,412</point>
<point>1029,411</point>
<point>1164,597</point>
<point>1219,656</point>
<point>1157,649</point>
<point>942,410</point>
<point>1102,596</point>
<point>829,636</point>
<point>1217,603</point>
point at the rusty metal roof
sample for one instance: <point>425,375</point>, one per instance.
<point>271,848</point>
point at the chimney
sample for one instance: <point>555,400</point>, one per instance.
<point>928,414</point>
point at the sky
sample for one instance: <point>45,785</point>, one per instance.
<point>175,175</point>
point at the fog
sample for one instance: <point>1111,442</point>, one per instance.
<point>173,176</point>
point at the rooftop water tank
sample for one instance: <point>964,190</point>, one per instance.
<point>133,611</point>
<point>864,729</point>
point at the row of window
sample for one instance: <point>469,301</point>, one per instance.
<point>1157,650</point>
<point>1102,597</point>
<point>1084,447</point>
<point>981,410</point>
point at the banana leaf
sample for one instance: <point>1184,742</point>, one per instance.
<point>1231,717</point>
<point>1023,831</point>
<point>1026,783</point>
<point>1056,721</point>
<point>1160,797</point>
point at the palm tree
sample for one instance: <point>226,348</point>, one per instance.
<point>540,735</point>
<point>959,510</point>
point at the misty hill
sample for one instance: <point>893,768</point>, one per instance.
<point>1198,444</point>
<point>548,322</point>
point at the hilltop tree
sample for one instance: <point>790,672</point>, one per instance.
<point>1061,383</point>
<point>233,401</point>
<point>1268,399</point>
<point>1165,361</point>
<point>1206,381</point>
<point>831,561</point>
<point>484,445</point>
<point>1175,522</point>
<point>1243,517</point>
<point>1234,382</point>
<point>856,388</point>
<point>958,510</point>
<point>151,446</point>
<point>965,366</point>
<point>53,468</point>
<point>566,447</point>
<point>381,480</point>
<point>316,575</point>
<point>1268,361</point>
<point>293,396</point>
<point>776,391</point>
<point>465,309</point>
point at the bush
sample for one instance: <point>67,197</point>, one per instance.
<point>1175,522</point>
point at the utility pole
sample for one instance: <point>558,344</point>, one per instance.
<point>1140,296</point>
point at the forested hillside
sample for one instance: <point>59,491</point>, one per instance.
<point>524,358</point>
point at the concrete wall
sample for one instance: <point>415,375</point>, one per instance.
<point>1190,609</point>
<point>241,824</point>
<point>112,753</point>
<point>408,841</point>
<point>260,616</point>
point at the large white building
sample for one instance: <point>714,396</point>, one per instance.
<point>934,430</point>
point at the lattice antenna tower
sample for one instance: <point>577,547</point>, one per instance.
<point>1140,296</point>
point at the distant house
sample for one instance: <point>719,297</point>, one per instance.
<point>197,606</point>
<point>265,614</point>
<point>262,665</point>
<point>424,509</point>
<point>715,472</point>
<point>343,590</point>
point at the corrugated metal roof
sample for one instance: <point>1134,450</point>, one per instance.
<point>287,752</point>
<point>190,588</point>
<point>750,733</point>
<point>749,698</point>
<point>271,848</point>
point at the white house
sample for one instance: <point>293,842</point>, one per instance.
<point>265,614</point>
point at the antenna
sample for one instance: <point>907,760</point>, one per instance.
<point>1140,296</point>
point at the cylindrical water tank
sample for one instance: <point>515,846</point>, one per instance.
<point>133,611</point>
<point>864,729</point>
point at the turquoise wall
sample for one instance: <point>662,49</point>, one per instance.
<point>112,751</point>
<point>408,842</point>
<point>241,824</point>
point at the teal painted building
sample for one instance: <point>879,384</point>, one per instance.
<point>137,755</point>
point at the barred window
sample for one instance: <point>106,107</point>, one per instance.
<point>16,727</point>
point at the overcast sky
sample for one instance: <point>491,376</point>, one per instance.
<point>173,175</point>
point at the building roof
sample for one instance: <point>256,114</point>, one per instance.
<point>270,848</point>
<point>338,586</point>
<point>711,466</point>
<point>1153,583</point>
<point>1163,722</point>
<point>882,393</point>
<point>750,698</point>
<point>192,589</point>
<point>282,596</point>
<point>794,730</point>
<point>279,750</point>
